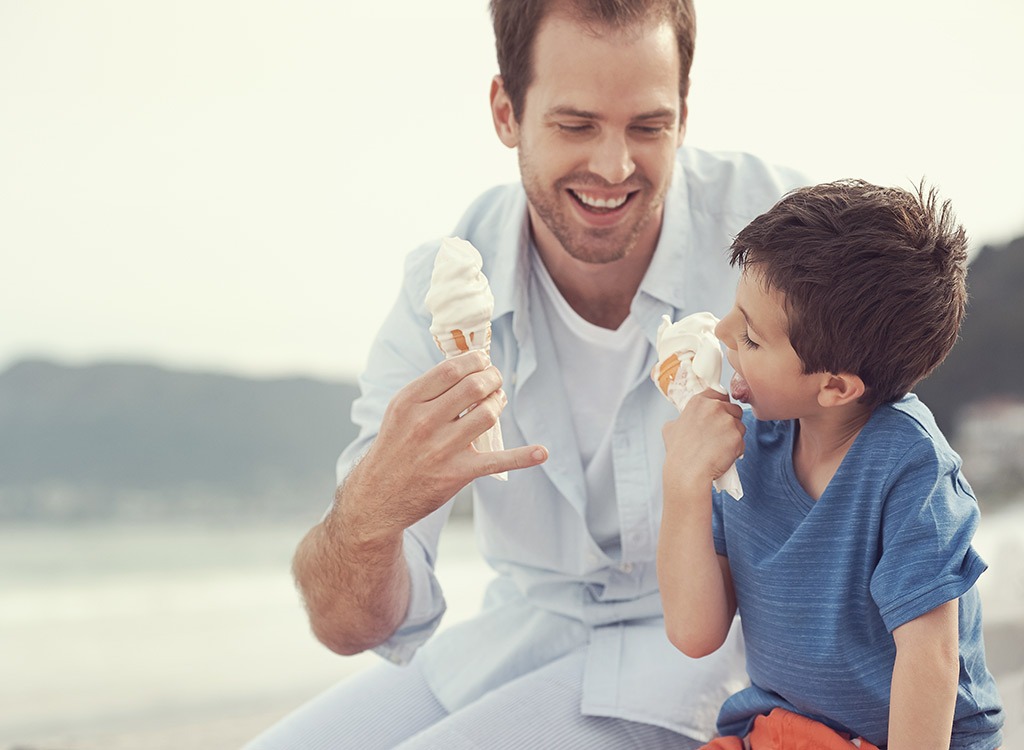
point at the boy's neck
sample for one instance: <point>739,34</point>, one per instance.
<point>822,442</point>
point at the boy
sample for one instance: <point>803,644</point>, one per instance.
<point>849,557</point>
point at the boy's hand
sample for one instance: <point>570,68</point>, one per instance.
<point>703,442</point>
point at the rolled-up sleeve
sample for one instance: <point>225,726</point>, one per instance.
<point>402,351</point>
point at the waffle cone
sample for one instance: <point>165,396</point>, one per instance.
<point>458,341</point>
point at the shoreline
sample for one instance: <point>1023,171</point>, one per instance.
<point>249,656</point>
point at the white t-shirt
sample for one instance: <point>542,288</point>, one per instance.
<point>598,366</point>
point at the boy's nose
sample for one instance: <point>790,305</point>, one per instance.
<point>722,332</point>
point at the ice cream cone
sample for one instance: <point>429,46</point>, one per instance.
<point>460,303</point>
<point>458,342</point>
<point>690,361</point>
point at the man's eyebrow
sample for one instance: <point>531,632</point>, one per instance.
<point>583,114</point>
<point>567,111</point>
<point>656,114</point>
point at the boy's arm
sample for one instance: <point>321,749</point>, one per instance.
<point>925,679</point>
<point>696,586</point>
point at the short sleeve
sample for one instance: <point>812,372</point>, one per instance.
<point>928,519</point>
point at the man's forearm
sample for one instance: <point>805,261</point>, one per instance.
<point>355,584</point>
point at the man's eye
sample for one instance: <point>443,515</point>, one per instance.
<point>649,130</point>
<point>573,128</point>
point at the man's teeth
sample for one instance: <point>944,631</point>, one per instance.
<point>589,200</point>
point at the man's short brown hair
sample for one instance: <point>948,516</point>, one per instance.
<point>516,23</point>
<point>874,279</point>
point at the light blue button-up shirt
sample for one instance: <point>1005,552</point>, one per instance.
<point>556,590</point>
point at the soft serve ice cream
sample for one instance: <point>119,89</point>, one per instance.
<point>690,361</point>
<point>461,304</point>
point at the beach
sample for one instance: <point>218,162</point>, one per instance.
<point>147,638</point>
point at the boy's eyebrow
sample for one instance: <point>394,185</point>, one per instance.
<point>750,325</point>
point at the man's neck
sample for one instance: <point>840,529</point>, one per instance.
<point>601,293</point>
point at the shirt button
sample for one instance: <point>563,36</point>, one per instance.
<point>626,567</point>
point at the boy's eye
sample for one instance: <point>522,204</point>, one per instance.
<point>747,342</point>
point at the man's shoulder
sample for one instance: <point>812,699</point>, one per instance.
<point>491,219</point>
<point>723,179</point>
<point>496,211</point>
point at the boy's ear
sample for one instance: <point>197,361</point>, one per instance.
<point>839,389</point>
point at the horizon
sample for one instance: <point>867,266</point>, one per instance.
<point>205,191</point>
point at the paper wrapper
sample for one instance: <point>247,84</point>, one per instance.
<point>678,379</point>
<point>460,342</point>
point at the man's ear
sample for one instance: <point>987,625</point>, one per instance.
<point>839,389</point>
<point>684,110</point>
<point>505,124</point>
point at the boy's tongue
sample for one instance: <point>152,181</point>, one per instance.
<point>738,388</point>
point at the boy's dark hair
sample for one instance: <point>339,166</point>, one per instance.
<point>874,279</point>
<point>516,23</point>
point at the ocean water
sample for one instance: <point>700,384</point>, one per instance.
<point>118,628</point>
<point>124,631</point>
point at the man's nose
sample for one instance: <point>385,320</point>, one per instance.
<point>611,158</point>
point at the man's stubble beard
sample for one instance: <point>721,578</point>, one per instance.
<point>587,245</point>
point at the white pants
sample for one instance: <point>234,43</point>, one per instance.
<point>392,707</point>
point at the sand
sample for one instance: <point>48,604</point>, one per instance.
<point>1000,541</point>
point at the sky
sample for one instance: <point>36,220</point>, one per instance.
<point>232,186</point>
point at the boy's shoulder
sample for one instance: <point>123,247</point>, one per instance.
<point>905,433</point>
<point>899,431</point>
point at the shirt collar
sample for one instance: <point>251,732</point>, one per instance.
<point>662,285</point>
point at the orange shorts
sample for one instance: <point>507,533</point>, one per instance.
<point>785,730</point>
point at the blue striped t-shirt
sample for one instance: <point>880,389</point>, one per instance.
<point>821,585</point>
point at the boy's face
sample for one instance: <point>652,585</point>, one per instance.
<point>769,374</point>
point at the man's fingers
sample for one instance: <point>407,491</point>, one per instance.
<point>510,460</point>
<point>474,390</point>
<point>445,375</point>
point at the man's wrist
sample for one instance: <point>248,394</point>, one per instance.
<point>352,521</point>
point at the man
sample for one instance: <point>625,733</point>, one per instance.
<point>613,226</point>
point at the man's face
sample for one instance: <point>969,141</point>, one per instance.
<point>601,123</point>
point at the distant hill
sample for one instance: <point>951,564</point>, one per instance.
<point>988,361</point>
<point>133,441</point>
<point>139,441</point>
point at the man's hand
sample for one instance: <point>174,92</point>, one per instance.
<point>423,455</point>
<point>350,567</point>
